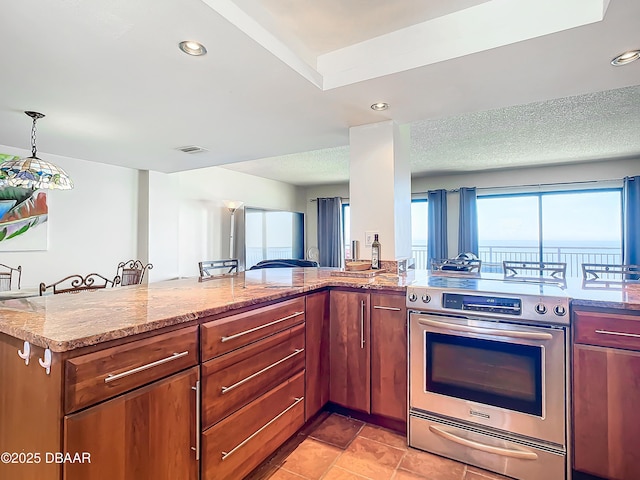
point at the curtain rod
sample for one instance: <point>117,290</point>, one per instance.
<point>315,199</point>
<point>587,182</point>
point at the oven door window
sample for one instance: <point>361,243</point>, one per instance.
<point>501,374</point>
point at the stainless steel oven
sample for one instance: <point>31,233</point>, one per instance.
<point>488,379</point>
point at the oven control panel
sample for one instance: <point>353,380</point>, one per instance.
<point>531,308</point>
<point>482,303</point>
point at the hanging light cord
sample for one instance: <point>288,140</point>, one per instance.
<point>35,116</point>
<point>33,138</point>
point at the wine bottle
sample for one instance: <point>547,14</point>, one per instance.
<point>375,253</point>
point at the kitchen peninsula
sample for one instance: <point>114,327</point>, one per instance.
<point>137,374</point>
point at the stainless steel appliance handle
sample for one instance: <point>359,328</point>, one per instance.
<point>486,331</point>
<point>505,452</point>
<point>175,356</point>
<point>198,411</point>
<point>260,372</point>
<point>618,334</point>
<point>380,307</point>
<point>251,330</point>
<point>225,455</point>
<point>361,323</point>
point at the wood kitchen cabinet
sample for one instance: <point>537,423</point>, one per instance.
<point>130,405</point>
<point>350,364</point>
<point>317,352</point>
<point>253,387</point>
<point>389,356</point>
<point>369,353</point>
<point>606,395</point>
<point>150,432</point>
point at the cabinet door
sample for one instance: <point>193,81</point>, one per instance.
<point>389,356</point>
<point>147,433</point>
<point>317,352</point>
<point>606,426</point>
<point>350,354</point>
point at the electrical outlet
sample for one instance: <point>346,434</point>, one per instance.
<point>368,238</point>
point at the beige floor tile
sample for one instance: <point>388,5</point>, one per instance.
<point>337,473</point>
<point>406,475</point>
<point>432,466</point>
<point>383,435</point>
<point>370,459</point>
<point>282,474</point>
<point>311,459</point>
<point>337,430</point>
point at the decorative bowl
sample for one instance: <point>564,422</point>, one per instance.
<point>357,266</point>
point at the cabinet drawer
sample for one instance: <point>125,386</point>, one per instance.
<point>607,330</point>
<point>235,331</point>
<point>240,442</point>
<point>233,380</point>
<point>94,377</point>
<point>384,302</point>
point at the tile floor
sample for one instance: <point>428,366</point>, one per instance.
<point>335,447</point>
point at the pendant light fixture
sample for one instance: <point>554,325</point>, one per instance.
<point>33,172</point>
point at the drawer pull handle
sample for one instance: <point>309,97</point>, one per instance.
<point>505,452</point>
<point>175,356</point>
<point>225,455</point>
<point>618,334</point>
<point>361,323</point>
<point>260,372</point>
<point>198,412</point>
<point>381,307</point>
<point>251,330</point>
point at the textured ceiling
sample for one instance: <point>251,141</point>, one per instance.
<point>582,128</point>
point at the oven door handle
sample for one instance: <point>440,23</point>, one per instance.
<point>486,331</point>
<point>505,452</point>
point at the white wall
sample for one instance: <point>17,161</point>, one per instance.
<point>204,221</point>
<point>91,228</point>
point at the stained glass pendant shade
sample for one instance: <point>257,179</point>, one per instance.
<point>33,172</point>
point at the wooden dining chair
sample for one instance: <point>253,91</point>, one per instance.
<point>132,272</point>
<point>7,274</point>
<point>78,283</point>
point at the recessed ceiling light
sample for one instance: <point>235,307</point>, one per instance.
<point>378,107</point>
<point>192,48</point>
<point>626,57</point>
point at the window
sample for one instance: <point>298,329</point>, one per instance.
<point>419,234</point>
<point>273,234</point>
<point>574,227</point>
<point>346,230</point>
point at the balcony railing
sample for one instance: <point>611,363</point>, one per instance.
<point>493,256</point>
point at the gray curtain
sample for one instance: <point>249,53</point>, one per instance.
<point>631,215</point>
<point>330,232</point>
<point>468,226</point>
<point>437,241</point>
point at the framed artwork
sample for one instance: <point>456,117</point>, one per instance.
<point>23,217</point>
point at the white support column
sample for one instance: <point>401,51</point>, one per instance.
<point>380,188</point>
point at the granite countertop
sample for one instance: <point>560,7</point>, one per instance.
<point>70,321</point>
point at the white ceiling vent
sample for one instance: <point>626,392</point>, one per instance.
<point>192,149</point>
